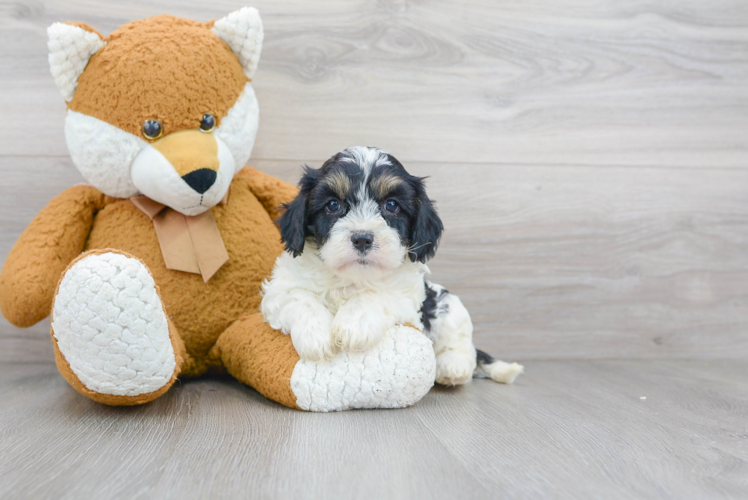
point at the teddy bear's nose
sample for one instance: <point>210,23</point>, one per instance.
<point>201,179</point>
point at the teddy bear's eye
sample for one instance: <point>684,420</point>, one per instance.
<point>208,123</point>
<point>152,129</point>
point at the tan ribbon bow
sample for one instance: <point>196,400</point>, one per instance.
<point>188,243</point>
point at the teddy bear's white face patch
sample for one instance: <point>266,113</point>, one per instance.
<point>121,164</point>
<point>239,127</point>
<point>103,153</point>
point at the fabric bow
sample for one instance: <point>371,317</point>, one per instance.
<point>192,244</point>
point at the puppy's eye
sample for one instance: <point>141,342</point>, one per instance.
<point>391,207</point>
<point>332,207</point>
<point>208,123</point>
<point>152,129</point>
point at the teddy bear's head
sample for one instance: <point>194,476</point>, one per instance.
<point>162,107</point>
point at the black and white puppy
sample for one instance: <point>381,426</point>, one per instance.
<point>357,237</point>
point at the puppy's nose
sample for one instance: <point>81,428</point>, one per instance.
<point>362,241</point>
<point>201,179</point>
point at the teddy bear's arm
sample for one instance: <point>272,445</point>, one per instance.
<point>271,192</point>
<point>52,240</point>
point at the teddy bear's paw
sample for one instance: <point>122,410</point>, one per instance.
<point>109,325</point>
<point>395,373</point>
<point>454,368</point>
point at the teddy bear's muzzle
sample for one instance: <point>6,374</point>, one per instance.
<point>189,171</point>
<point>190,151</point>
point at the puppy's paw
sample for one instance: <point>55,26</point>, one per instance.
<point>358,330</point>
<point>454,368</point>
<point>312,340</point>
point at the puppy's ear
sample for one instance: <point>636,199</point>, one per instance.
<point>427,227</point>
<point>293,223</point>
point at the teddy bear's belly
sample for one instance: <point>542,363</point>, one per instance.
<point>200,311</point>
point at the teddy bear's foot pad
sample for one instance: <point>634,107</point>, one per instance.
<point>109,325</point>
<point>395,373</point>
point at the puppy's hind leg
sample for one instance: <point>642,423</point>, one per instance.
<point>448,324</point>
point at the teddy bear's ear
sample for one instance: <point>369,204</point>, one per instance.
<point>70,48</point>
<point>242,31</point>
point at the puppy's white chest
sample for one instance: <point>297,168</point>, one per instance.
<point>335,298</point>
<point>400,300</point>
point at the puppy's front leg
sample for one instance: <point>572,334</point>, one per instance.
<point>360,323</point>
<point>300,313</point>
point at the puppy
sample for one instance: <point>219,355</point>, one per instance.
<point>357,238</point>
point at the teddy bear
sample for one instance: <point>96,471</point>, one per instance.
<point>152,270</point>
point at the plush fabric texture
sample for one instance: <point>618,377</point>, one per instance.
<point>71,375</point>
<point>110,325</point>
<point>242,31</point>
<point>259,356</point>
<point>123,83</point>
<point>108,399</point>
<point>239,127</point>
<point>70,47</point>
<point>395,373</point>
<point>103,153</point>
<point>53,239</point>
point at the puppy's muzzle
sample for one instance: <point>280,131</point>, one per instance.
<point>362,242</point>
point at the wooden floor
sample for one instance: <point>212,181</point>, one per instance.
<point>590,162</point>
<point>565,430</point>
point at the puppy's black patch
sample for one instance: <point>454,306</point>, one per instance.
<point>417,222</point>
<point>293,222</point>
<point>427,228</point>
<point>339,181</point>
<point>433,306</point>
<point>428,308</point>
<point>483,357</point>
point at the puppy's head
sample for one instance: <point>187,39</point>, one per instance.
<point>364,213</point>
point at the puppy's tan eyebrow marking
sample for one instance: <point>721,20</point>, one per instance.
<point>384,185</point>
<point>339,183</point>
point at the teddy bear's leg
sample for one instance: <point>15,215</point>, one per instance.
<point>113,341</point>
<point>395,373</point>
<point>260,357</point>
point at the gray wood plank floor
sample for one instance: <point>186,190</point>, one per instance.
<point>565,430</point>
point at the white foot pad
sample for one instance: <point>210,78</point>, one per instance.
<point>109,324</point>
<point>395,373</point>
